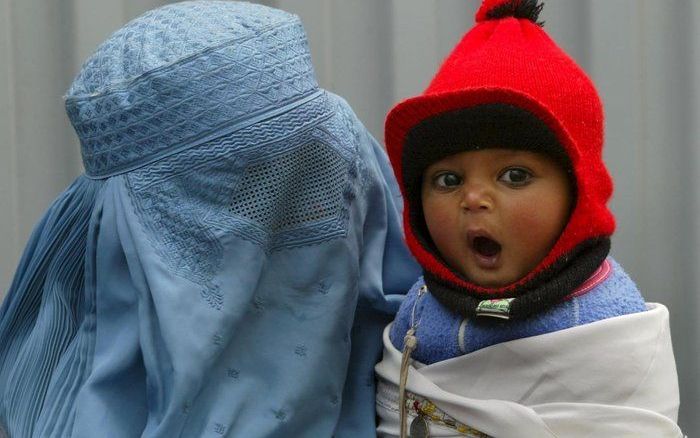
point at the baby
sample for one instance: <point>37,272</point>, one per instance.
<point>500,163</point>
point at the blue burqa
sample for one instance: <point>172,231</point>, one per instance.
<point>228,260</point>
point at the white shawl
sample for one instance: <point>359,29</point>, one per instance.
<point>611,378</point>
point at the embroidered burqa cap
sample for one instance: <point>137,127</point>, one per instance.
<point>224,250</point>
<point>507,84</point>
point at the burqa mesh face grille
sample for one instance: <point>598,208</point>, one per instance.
<point>299,187</point>
<point>277,185</point>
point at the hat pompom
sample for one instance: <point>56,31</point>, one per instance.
<point>497,9</point>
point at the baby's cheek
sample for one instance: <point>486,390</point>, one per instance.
<point>537,226</point>
<point>438,225</point>
<point>441,228</point>
<point>439,214</point>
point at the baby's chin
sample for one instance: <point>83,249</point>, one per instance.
<point>495,280</point>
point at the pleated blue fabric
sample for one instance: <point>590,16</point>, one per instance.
<point>228,260</point>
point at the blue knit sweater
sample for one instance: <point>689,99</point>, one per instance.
<point>443,334</point>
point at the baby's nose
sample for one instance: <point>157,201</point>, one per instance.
<point>475,198</point>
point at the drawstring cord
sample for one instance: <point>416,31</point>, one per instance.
<point>410,342</point>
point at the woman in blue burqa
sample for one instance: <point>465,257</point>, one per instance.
<point>225,265</point>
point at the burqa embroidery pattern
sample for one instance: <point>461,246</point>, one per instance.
<point>164,108</point>
<point>261,184</point>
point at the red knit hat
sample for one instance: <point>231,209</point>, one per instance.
<point>507,58</point>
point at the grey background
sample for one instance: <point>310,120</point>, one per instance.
<point>642,54</point>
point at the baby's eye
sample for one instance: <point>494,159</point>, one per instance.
<point>516,176</point>
<point>447,180</point>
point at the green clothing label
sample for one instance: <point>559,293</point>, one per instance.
<point>497,308</point>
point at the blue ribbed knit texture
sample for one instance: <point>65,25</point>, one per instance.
<point>438,330</point>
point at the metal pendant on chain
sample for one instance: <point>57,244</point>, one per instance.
<point>419,427</point>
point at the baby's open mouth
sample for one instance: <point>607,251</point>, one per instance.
<point>485,248</point>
